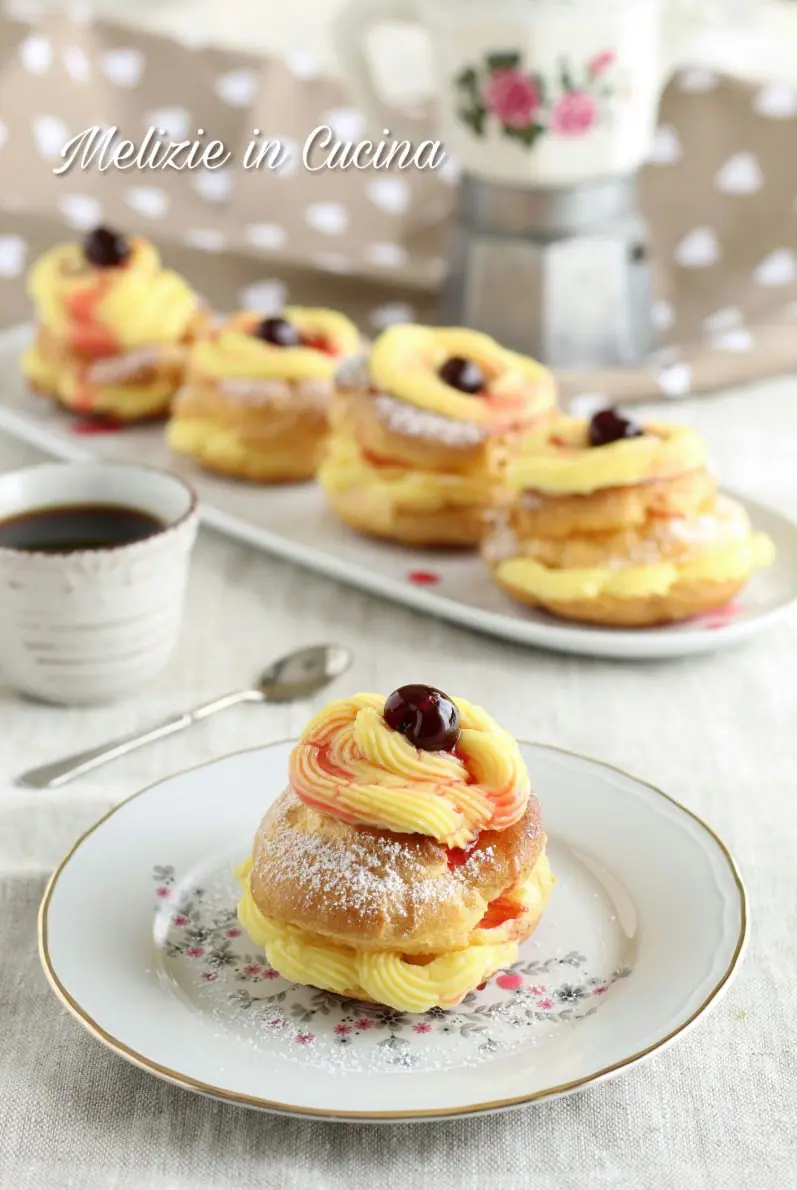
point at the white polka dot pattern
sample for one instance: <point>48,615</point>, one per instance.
<point>13,254</point>
<point>329,218</point>
<point>123,67</point>
<point>266,296</point>
<point>148,201</point>
<point>80,210</point>
<point>698,249</point>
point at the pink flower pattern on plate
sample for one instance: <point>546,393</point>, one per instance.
<point>216,954</point>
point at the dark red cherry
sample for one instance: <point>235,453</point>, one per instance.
<point>463,374</point>
<point>427,717</point>
<point>278,331</point>
<point>610,426</point>
<point>106,248</point>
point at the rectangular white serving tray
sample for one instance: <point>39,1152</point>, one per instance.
<point>294,522</point>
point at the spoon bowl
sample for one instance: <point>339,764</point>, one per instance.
<point>302,673</point>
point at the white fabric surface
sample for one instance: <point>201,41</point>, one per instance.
<point>715,1110</point>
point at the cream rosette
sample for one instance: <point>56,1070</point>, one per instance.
<point>405,362</point>
<point>96,309</point>
<point>558,459</point>
<point>235,352</point>
<point>351,765</point>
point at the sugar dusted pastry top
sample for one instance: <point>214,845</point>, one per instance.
<point>299,344</point>
<point>560,459</point>
<point>377,890</point>
<point>418,763</point>
<point>457,374</point>
<point>126,302</point>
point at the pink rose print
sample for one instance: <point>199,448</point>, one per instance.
<point>574,113</point>
<point>546,1003</point>
<point>599,991</point>
<point>233,933</point>
<point>251,969</point>
<point>342,1030</point>
<point>512,96</point>
<point>270,973</point>
<point>422,1027</point>
<point>499,96</point>
<point>180,919</point>
<point>363,1022</point>
<point>163,893</point>
<point>195,952</point>
<point>537,989</point>
<point>305,1038</point>
<point>600,63</point>
<point>209,976</point>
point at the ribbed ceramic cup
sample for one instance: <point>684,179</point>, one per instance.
<point>92,625</point>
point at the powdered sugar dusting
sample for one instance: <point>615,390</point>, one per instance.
<point>501,543</point>
<point>368,879</point>
<point>253,391</point>
<point>403,418</point>
<point>121,367</point>
<point>727,522</point>
<point>352,372</point>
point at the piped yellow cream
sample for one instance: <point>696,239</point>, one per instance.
<point>396,486</point>
<point>733,561</point>
<point>559,460</point>
<point>385,977</point>
<point>233,352</point>
<point>406,360</point>
<point>349,764</point>
<point>136,305</point>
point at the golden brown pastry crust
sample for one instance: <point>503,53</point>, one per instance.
<point>537,514</point>
<point>279,442</point>
<point>379,891</point>
<point>355,414</point>
<point>374,497</point>
<point>450,527</point>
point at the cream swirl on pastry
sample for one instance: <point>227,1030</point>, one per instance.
<point>101,311</point>
<point>408,362</point>
<point>350,764</point>
<point>237,351</point>
<point>557,458</point>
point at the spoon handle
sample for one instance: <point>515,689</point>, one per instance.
<point>49,776</point>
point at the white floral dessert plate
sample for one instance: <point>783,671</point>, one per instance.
<point>139,939</point>
<point>293,521</point>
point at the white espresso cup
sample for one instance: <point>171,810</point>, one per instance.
<point>93,624</point>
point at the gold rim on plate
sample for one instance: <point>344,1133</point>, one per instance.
<point>192,1084</point>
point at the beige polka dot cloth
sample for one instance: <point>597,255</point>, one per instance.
<point>719,193</point>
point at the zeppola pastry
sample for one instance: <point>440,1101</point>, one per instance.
<point>114,327</point>
<point>422,429</point>
<point>256,398</point>
<point>405,862</point>
<point>617,523</point>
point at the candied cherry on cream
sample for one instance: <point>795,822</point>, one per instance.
<point>607,425</point>
<point>428,718</point>
<point>462,374</point>
<point>106,248</point>
<point>278,331</point>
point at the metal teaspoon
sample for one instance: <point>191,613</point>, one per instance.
<point>299,675</point>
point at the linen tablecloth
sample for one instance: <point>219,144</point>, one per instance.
<point>715,1110</point>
